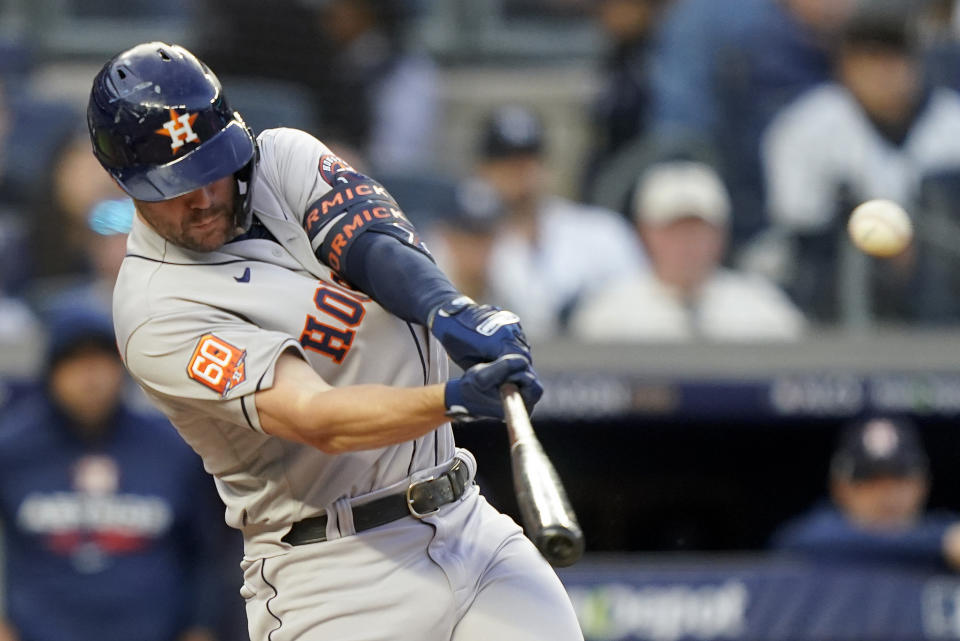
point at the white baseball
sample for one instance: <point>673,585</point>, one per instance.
<point>880,228</point>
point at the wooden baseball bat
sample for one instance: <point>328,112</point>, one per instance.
<point>547,516</point>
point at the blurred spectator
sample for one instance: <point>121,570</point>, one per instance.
<point>29,128</point>
<point>373,91</point>
<point>620,111</point>
<point>26,141</point>
<point>75,181</point>
<point>550,251</point>
<point>8,195</point>
<point>110,524</point>
<point>239,38</point>
<point>380,96</point>
<point>938,32</point>
<point>30,131</point>
<point>722,70</point>
<point>682,213</point>
<point>879,481</point>
<point>461,240</point>
<point>17,322</point>
<point>875,132</point>
<point>104,245</point>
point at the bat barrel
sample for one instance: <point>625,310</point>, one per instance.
<point>544,508</point>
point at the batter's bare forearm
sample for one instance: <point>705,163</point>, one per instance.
<point>302,407</point>
<point>364,417</point>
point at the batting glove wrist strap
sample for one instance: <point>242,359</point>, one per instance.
<point>474,334</point>
<point>448,309</point>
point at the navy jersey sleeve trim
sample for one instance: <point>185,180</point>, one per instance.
<point>423,361</point>
<point>246,415</point>
<point>168,262</point>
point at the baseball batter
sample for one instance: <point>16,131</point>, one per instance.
<point>281,310</point>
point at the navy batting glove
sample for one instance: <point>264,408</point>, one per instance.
<point>476,394</point>
<point>473,333</point>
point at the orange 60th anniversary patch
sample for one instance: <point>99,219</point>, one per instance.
<point>217,364</point>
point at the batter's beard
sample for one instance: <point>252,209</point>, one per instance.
<point>227,227</point>
<point>214,233</point>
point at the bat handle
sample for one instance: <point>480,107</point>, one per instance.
<point>515,411</point>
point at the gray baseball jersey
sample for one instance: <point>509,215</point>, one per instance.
<point>201,332</point>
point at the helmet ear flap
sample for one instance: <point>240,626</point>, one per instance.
<point>244,177</point>
<point>245,173</point>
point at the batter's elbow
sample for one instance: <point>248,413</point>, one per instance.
<point>327,442</point>
<point>332,446</point>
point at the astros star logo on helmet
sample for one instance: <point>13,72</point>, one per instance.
<point>181,134</point>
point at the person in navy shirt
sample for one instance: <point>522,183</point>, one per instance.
<point>879,481</point>
<point>110,523</point>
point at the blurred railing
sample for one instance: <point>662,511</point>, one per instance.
<point>828,375</point>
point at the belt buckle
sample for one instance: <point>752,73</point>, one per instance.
<point>413,510</point>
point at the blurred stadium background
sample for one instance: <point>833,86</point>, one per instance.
<point>681,459</point>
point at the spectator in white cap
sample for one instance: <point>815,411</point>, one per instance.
<point>682,214</point>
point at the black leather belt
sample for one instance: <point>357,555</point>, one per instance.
<point>421,498</point>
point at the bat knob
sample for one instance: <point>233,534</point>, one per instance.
<point>561,546</point>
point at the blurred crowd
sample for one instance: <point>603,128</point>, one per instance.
<point>728,141</point>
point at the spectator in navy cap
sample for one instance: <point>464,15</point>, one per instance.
<point>879,481</point>
<point>512,130</point>
<point>461,239</point>
<point>70,328</point>
<point>879,474</point>
<point>549,250</point>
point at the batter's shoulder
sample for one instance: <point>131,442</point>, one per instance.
<point>283,136</point>
<point>288,170</point>
<point>285,143</point>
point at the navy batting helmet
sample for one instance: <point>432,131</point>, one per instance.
<point>161,126</point>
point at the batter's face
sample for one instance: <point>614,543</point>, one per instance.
<point>201,220</point>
